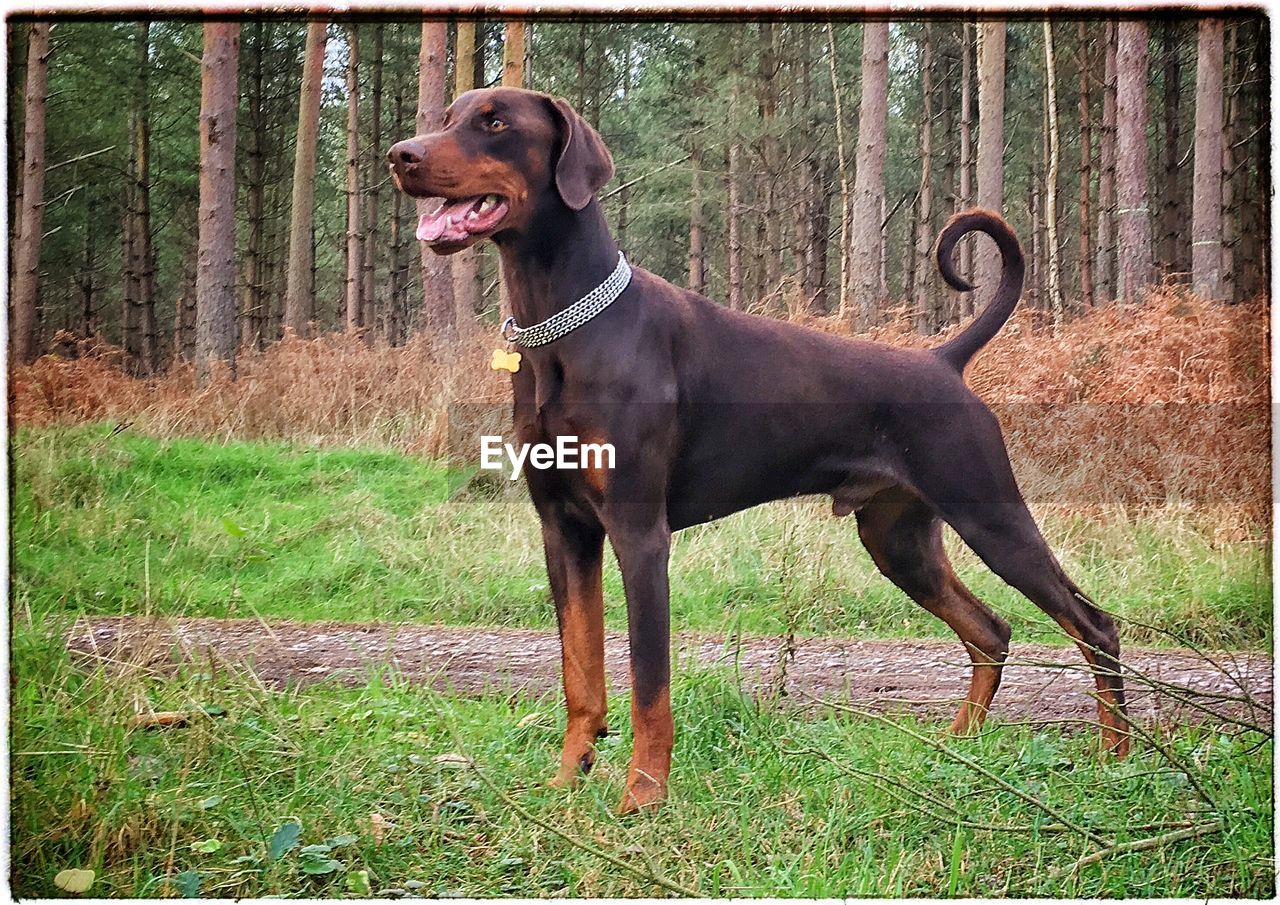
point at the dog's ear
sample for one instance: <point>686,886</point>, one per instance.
<point>584,164</point>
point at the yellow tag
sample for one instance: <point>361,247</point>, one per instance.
<point>505,361</point>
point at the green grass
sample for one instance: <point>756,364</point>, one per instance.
<point>109,523</point>
<point>765,801</point>
<point>753,811</point>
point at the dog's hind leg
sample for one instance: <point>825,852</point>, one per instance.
<point>904,538</point>
<point>984,506</point>
<point>1010,543</point>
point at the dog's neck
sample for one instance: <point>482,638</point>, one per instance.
<point>559,259</point>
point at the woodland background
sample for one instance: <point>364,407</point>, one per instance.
<point>757,161</point>
<point>754,163</point>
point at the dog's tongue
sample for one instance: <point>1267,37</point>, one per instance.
<point>448,223</point>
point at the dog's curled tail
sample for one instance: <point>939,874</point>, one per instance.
<point>958,350</point>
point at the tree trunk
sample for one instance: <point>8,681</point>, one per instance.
<point>908,294</point>
<point>254,308</point>
<point>17,39</point>
<point>968,32</point>
<point>377,172</point>
<point>512,77</point>
<point>392,322</point>
<point>146,248</point>
<point>355,235</point>
<point>1206,206</point>
<point>811,188</point>
<point>1035,265</point>
<point>464,264</point>
<point>882,253</point>
<point>846,194</point>
<point>868,192</point>
<point>927,320</point>
<point>131,295</point>
<point>300,298</point>
<point>768,97</point>
<point>624,193</point>
<point>1086,169</point>
<point>184,328</point>
<point>26,284</point>
<point>1230,203</point>
<point>697,271</point>
<point>821,300</point>
<point>87,278</point>
<point>1255,109</point>
<point>990,152</point>
<point>439,317</point>
<point>1132,194</point>
<point>1172,217</point>
<point>734,178</point>
<point>1051,183</point>
<point>216,274</point>
<point>948,151</point>
<point>513,52</point>
<point>1106,250</point>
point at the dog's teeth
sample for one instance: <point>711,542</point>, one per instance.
<point>472,215</point>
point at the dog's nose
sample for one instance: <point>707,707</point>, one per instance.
<point>406,153</point>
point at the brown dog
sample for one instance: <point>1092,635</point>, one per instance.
<point>711,411</point>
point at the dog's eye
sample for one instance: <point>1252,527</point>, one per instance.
<point>493,124</point>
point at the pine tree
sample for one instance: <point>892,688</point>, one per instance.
<point>868,192</point>
<point>1206,206</point>
<point>300,300</point>
<point>216,277</point>
<point>25,331</point>
<point>1133,189</point>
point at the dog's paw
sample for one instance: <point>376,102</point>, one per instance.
<point>643,794</point>
<point>569,774</point>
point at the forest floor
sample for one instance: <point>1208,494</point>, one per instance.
<point>1042,684</point>
<point>284,589</point>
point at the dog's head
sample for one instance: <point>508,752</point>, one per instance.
<point>501,159</point>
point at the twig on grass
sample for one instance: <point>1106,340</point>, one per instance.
<point>1135,728</point>
<point>958,820</point>
<point>1191,645</point>
<point>1138,845</point>
<point>652,876</point>
<point>971,764</point>
<point>1178,693</point>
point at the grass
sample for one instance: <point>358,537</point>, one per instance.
<point>754,810</point>
<point>109,521</point>
<point>765,801</point>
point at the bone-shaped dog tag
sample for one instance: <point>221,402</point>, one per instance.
<point>505,361</point>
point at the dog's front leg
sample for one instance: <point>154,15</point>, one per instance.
<point>574,551</point>
<point>642,557</point>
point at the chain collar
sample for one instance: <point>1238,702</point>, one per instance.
<point>565,322</point>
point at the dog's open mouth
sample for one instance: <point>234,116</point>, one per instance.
<point>458,219</point>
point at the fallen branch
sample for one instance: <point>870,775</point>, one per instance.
<point>1135,728</point>
<point>652,876</point>
<point>1139,845</point>
<point>958,820</point>
<point>972,765</point>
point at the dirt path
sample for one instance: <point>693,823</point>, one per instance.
<point>1042,683</point>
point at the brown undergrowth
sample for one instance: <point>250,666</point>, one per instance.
<point>1155,404</point>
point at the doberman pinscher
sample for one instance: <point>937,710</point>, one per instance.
<point>711,411</point>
